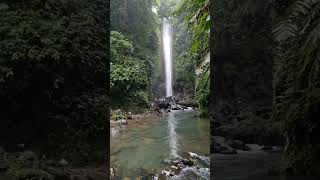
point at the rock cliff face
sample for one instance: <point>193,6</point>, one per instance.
<point>241,72</point>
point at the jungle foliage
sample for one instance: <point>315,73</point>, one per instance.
<point>130,79</point>
<point>135,49</point>
<point>134,52</point>
<point>255,39</point>
<point>53,69</point>
<point>192,50</point>
<point>297,82</point>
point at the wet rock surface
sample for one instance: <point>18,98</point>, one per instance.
<point>172,103</point>
<point>193,167</point>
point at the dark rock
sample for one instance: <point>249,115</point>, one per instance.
<point>187,162</point>
<point>188,103</point>
<point>175,107</point>
<point>184,107</point>
<point>221,149</point>
<point>237,144</point>
<point>165,172</point>
<point>162,104</point>
<point>204,160</point>
<point>62,162</point>
<point>181,163</point>
<point>175,169</point>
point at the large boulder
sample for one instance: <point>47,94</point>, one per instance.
<point>188,103</point>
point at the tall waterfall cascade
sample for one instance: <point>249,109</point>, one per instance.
<point>167,52</point>
<point>167,57</point>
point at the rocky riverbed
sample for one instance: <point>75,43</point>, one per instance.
<point>192,167</point>
<point>222,145</point>
<point>158,108</point>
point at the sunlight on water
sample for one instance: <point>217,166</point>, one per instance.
<point>172,135</point>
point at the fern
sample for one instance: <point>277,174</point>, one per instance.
<point>302,14</point>
<point>298,35</point>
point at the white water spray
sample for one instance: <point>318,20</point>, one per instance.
<point>167,52</point>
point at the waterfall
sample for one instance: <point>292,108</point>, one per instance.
<point>167,56</point>
<point>167,52</point>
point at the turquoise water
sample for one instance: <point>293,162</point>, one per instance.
<point>142,146</point>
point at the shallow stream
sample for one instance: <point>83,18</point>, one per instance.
<point>142,147</point>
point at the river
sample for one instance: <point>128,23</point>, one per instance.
<point>142,147</point>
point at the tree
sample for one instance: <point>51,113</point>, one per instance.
<point>195,15</point>
<point>130,82</point>
<point>134,52</point>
